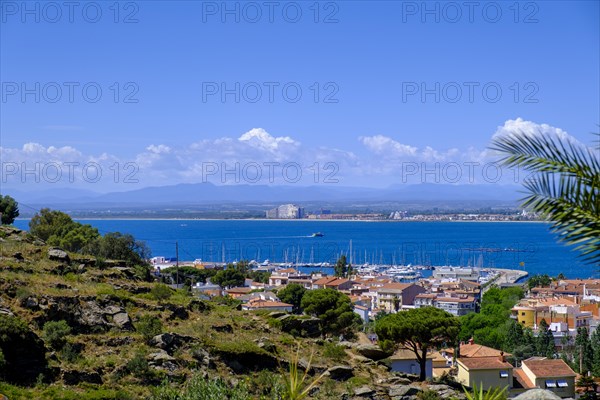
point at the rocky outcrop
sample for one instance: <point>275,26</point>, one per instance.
<point>84,314</point>
<point>56,254</point>
<point>340,372</point>
<point>537,394</point>
<point>300,325</point>
<point>397,392</point>
<point>171,341</point>
<point>372,352</point>
<point>24,352</point>
<point>74,377</point>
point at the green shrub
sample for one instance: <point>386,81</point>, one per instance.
<point>138,366</point>
<point>428,395</point>
<point>161,292</point>
<point>199,388</point>
<point>55,333</point>
<point>149,326</point>
<point>334,352</point>
<point>22,293</point>
<point>70,353</point>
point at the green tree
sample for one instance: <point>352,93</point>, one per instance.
<point>583,352</point>
<point>564,185</point>
<point>119,246</point>
<point>9,210</point>
<point>595,342</point>
<point>292,294</point>
<point>514,336</point>
<point>341,267</point>
<point>229,277</point>
<point>55,333</point>
<point>545,340</point>
<point>333,308</point>
<point>419,330</point>
<point>539,281</point>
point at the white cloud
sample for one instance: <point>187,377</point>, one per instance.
<point>379,162</point>
<point>521,127</point>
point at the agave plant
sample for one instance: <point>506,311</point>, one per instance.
<point>563,185</point>
<point>496,394</point>
<point>296,386</point>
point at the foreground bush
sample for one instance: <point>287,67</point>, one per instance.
<point>199,388</point>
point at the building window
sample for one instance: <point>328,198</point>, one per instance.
<point>522,314</point>
<point>503,374</point>
<point>562,383</point>
<point>550,384</point>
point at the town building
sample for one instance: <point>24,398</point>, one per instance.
<point>286,211</point>
<point>485,372</point>
<point>540,372</point>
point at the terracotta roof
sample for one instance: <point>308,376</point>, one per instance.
<point>522,379</point>
<point>287,271</point>
<point>406,354</point>
<point>484,363</point>
<point>325,280</point>
<point>456,299</point>
<point>478,350</point>
<point>549,368</point>
<point>240,290</point>
<point>337,282</point>
<point>394,286</point>
<point>259,303</point>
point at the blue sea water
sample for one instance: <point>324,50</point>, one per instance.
<point>528,246</point>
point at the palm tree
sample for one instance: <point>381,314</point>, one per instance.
<point>564,185</point>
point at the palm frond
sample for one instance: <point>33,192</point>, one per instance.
<point>564,185</point>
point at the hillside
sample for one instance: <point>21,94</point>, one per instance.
<point>123,339</point>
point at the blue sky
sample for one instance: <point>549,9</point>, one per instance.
<point>372,59</point>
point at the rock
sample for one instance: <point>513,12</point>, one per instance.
<point>160,357</point>
<point>170,341</point>
<point>202,356</point>
<point>364,391</point>
<point>347,344</point>
<point>340,372</point>
<point>267,345</point>
<point>6,311</point>
<point>18,256</point>
<point>118,341</point>
<point>537,394</point>
<point>277,314</point>
<point>162,341</point>
<point>199,306</point>
<point>31,303</point>
<point>398,391</point>
<point>312,368</point>
<point>74,377</point>
<point>372,351</point>
<point>62,286</point>
<point>56,254</point>
<point>122,321</point>
<point>362,359</point>
<point>178,312</point>
<point>223,328</point>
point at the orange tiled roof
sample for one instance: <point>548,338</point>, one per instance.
<point>325,280</point>
<point>394,286</point>
<point>478,350</point>
<point>523,379</point>
<point>484,363</point>
<point>259,303</point>
<point>549,368</point>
